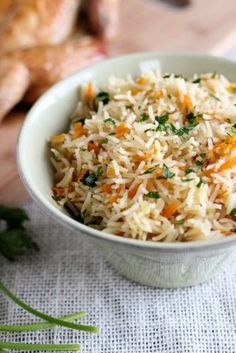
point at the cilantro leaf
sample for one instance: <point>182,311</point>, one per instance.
<point>233,212</point>
<point>188,171</point>
<point>101,97</point>
<point>99,172</point>
<point>14,242</point>
<point>14,217</point>
<point>199,184</point>
<point>109,121</point>
<point>105,140</point>
<point>197,80</point>
<point>153,195</point>
<point>143,117</point>
<point>167,173</point>
<point>89,179</point>
<point>162,119</point>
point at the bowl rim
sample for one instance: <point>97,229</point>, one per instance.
<point>65,219</point>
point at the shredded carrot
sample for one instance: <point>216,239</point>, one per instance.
<point>159,94</point>
<point>141,80</point>
<point>78,130</point>
<point>143,157</point>
<point>135,91</point>
<point>227,165</point>
<point>58,138</point>
<point>132,192</point>
<point>226,232</point>
<point>150,185</point>
<point>58,191</point>
<point>187,103</point>
<point>93,147</point>
<point>121,130</point>
<point>171,209</point>
<point>107,188</point>
<point>230,163</point>
<point>114,198</point>
<point>89,94</point>
<point>111,171</point>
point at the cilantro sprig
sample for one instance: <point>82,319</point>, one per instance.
<point>14,239</point>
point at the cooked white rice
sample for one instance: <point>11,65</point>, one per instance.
<point>151,158</point>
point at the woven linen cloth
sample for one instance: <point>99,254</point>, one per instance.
<point>69,274</point>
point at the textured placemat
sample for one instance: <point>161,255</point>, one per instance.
<point>69,274</point>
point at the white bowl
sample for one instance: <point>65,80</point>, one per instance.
<point>153,264</point>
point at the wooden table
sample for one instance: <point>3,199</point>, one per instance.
<point>204,25</point>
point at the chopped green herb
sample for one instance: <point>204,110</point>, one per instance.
<point>200,182</point>
<point>129,106</point>
<point>215,97</point>
<point>99,172</point>
<point>150,170</point>
<point>14,239</point>
<point>192,119</point>
<point>169,95</point>
<point>233,212</point>
<point>90,179</point>
<point>187,180</point>
<point>105,140</point>
<point>143,117</point>
<point>162,119</point>
<point>111,134</point>
<point>167,173</point>
<point>233,130</point>
<point>213,75</point>
<point>197,80</point>
<point>180,222</point>
<point>181,131</point>
<point>74,212</point>
<point>188,171</point>
<point>83,149</point>
<point>199,163</point>
<point>153,195</point>
<point>101,97</point>
<point>228,121</point>
<point>166,76</point>
<point>109,121</point>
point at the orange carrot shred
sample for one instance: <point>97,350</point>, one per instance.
<point>171,209</point>
<point>78,130</point>
<point>227,165</point>
<point>89,94</point>
<point>141,80</point>
<point>134,91</point>
<point>132,192</point>
<point>107,188</point>
<point>121,130</point>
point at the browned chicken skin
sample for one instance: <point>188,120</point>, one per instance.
<point>30,72</point>
<point>30,23</point>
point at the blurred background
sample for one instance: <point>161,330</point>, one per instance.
<point>43,41</point>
